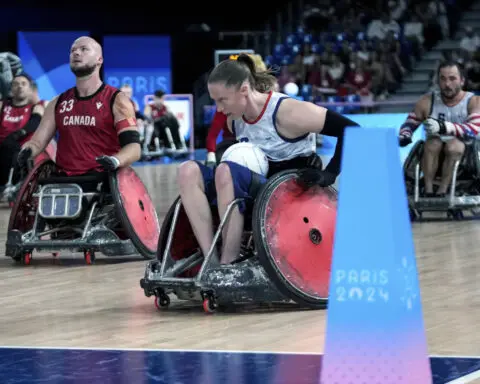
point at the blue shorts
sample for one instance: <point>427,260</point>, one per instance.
<point>246,183</point>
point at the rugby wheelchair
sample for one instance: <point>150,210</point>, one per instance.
<point>285,256</point>
<point>109,212</point>
<point>464,193</point>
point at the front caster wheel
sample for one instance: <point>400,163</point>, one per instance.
<point>209,305</point>
<point>162,301</point>
<point>89,257</point>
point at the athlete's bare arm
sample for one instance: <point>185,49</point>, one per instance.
<point>420,112</point>
<point>39,108</point>
<point>123,110</point>
<point>422,107</point>
<point>473,105</point>
<point>45,131</point>
<point>296,118</point>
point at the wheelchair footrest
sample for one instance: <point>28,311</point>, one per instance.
<point>441,203</point>
<point>245,282</point>
<point>99,240</point>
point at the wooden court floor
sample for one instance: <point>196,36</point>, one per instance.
<point>64,303</point>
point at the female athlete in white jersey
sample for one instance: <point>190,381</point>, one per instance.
<point>284,128</point>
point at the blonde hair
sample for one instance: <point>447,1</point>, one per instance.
<point>235,72</point>
<point>259,63</point>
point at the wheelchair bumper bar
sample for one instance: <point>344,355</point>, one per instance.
<point>245,282</point>
<point>103,241</point>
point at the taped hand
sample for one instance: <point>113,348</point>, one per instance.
<point>211,161</point>
<point>434,127</point>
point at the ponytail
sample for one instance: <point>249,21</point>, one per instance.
<point>262,80</point>
<point>236,72</point>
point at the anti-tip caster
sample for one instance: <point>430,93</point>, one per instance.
<point>162,301</point>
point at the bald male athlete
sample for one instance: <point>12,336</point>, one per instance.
<point>95,121</point>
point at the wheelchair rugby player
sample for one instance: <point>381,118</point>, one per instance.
<point>239,236</point>
<point>442,172</point>
<point>91,199</point>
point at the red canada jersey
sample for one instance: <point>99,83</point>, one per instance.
<point>158,112</point>
<point>86,129</point>
<point>13,118</point>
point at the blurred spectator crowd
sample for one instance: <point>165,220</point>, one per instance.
<point>345,52</point>
<point>467,55</point>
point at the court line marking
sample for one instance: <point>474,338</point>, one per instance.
<point>160,350</point>
<point>466,379</point>
<point>203,350</point>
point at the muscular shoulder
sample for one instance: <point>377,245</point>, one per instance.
<point>296,117</point>
<point>123,107</point>
<point>474,105</point>
<point>423,106</point>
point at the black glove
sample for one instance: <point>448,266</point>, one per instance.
<point>11,141</point>
<point>23,156</point>
<point>313,174</point>
<point>404,140</point>
<point>24,162</point>
<point>17,135</point>
<point>109,163</point>
<point>314,161</point>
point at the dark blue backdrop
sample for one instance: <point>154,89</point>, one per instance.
<point>45,57</point>
<point>144,62</point>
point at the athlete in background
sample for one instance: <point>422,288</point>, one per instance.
<point>451,118</point>
<point>19,118</point>
<point>166,125</point>
<point>128,91</point>
<point>214,151</point>
<point>35,96</point>
<point>96,122</point>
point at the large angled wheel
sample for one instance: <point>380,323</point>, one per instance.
<point>25,207</point>
<point>184,244</point>
<point>413,158</point>
<point>136,211</point>
<point>293,231</point>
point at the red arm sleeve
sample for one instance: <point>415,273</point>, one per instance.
<point>218,122</point>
